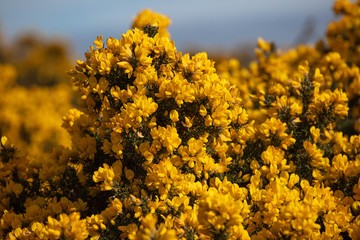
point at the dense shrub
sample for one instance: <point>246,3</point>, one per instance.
<point>166,146</point>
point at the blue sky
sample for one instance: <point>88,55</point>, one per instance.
<point>205,24</point>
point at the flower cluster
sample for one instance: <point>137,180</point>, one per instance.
<point>171,146</point>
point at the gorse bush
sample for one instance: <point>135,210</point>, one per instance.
<point>34,94</point>
<point>171,146</point>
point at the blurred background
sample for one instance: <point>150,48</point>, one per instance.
<point>201,25</point>
<point>41,39</point>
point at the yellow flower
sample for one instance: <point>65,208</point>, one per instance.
<point>188,122</point>
<point>98,43</point>
<point>128,68</point>
<point>221,116</point>
<point>133,114</point>
<point>87,146</point>
<point>174,115</point>
<point>106,175</point>
<point>112,211</point>
<point>317,159</point>
<point>274,157</point>
<point>53,228</point>
<point>163,176</point>
<point>149,230</point>
<point>354,229</point>
<point>340,164</point>
<point>329,104</point>
<point>95,223</point>
<point>73,227</point>
<point>129,174</point>
<point>265,46</point>
<point>148,17</point>
<point>274,131</point>
<point>218,212</point>
<point>315,133</point>
<point>167,137</point>
<point>297,220</point>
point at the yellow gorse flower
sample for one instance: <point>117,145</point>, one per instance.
<point>169,145</point>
